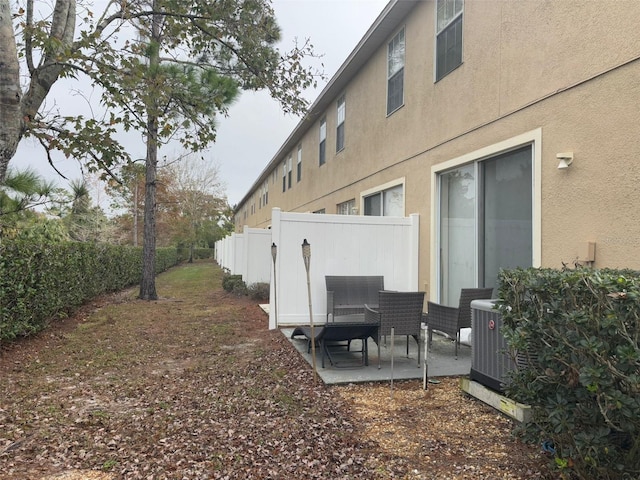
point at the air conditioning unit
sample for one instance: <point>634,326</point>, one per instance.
<point>490,361</point>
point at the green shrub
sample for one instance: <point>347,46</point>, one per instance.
<point>200,253</point>
<point>40,282</point>
<point>259,291</point>
<point>579,331</point>
<point>234,284</point>
<point>240,289</point>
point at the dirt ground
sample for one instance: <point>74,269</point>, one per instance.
<point>194,386</point>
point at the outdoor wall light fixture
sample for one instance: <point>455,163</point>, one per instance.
<point>566,159</point>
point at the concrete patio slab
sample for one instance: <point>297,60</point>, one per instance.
<point>440,360</point>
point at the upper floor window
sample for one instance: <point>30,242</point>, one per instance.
<point>284,176</point>
<point>299,164</point>
<point>341,110</point>
<point>265,193</point>
<point>323,142</point>
<point>395,73</point>
<point>448,36</point>
<point>289,167</point>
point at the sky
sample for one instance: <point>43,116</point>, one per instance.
<point>256,126</point>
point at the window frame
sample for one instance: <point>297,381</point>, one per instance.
<point>444,26</point>
<point>265,193</point>
<point>341,114</point>
<point>379,190</point>
<point>284,176</point>
<point>347,207</point>
<point>299,165</point>
<point>533,137</point>
<point>393,78</point>
<point>322,143</point>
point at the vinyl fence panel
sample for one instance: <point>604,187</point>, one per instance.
<point>256,258</point>
<point>340,245</point>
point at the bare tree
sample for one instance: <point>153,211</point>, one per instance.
<point>198,196</point>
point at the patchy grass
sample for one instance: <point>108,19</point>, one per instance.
<point>193,386</point>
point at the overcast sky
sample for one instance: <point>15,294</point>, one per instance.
<point>256,127</point>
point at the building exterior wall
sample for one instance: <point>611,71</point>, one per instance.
<point>566,74</point>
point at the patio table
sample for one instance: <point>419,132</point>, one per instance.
<point>343,328</point>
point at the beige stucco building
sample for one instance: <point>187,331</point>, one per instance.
<point>462,111</point>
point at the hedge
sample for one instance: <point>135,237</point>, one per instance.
<point>43,282</point>
<point>576,333</point>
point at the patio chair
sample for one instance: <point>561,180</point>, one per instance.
<point>347,294</point>
<point>450,320</point>
<point>400,310</point>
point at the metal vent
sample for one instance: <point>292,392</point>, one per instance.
<point>490,361</point>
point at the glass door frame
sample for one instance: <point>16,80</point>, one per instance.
<point>533,138</point>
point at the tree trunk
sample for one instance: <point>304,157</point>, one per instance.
<point>148,283</point>
<point>10,92</point>
<point>16,110</point>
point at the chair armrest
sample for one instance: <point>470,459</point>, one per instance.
<point>371,315</point>
<point>330,304</point>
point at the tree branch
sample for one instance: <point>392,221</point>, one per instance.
<point>28,44</point>
<point>49,159</point>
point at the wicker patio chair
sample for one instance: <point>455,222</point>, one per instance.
<point>450,320</point>
<point>347,294</point>
<point>400,310</point>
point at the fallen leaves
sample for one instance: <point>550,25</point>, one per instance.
<point>166,391</point>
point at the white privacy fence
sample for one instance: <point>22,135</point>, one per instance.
<point>257,256</point>
<point>340,245</point>
<point>247,254</point>
<point>229,252</point>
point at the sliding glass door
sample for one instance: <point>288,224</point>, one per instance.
<point>457,232</point>
<point>485,221</point>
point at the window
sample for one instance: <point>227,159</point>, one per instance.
<point>323,142</point>
<point>321,211</point>
<point>387,203</point>
<point>346,208</point>
<point>299,164</point>
<point>341,110</point>
<point>284,176</point>
<point>395,73</point>
<point>289,167</point>
<point>449,36</point>
<point>265,193</point>
<point>485,221</point>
